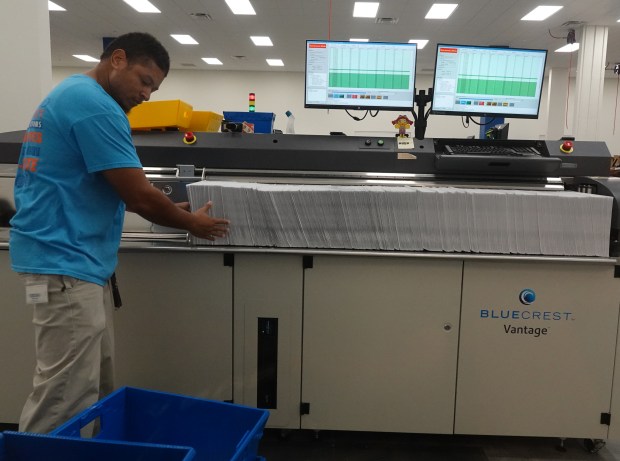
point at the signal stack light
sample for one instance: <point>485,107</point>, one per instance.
<point>252,102</point>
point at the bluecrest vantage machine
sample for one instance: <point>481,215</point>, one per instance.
<point>357,339</point>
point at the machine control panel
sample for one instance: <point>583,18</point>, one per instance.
<point>374,142</point>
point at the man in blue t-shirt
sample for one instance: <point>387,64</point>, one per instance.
<point>78,171</point>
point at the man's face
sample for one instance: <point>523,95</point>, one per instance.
<point>132,84</point>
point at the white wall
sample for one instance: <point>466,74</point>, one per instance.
<point>278,92</point>
<point>25,53</point>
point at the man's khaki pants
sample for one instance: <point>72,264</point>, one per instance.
<point>74,342</point>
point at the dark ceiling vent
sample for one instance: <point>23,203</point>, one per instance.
<point>205,16</point>
<point>573,24</point>
<point>386,20</point>
<point>188,64</point>
<point>240,57</point>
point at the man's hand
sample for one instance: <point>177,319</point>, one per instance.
<point>149,202</point>
<point>207,227</point>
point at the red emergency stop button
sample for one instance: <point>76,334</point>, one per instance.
<point>567,147</point>
<point>189,138</point>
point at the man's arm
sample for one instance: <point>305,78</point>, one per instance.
<point>150,203</point>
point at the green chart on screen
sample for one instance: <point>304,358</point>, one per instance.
<point>496,87</point>
<point>371,69</point>
<point>498,75</point>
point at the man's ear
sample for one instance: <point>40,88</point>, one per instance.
<point>118,59</point>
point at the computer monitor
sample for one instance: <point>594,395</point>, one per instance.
<point>360,75</point>
<point>488,81</point>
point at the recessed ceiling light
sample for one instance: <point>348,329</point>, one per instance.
<point>568,48</point>
<point>85,57</point>
<point>184,39</point>
<point>212,61</point>
<point>365,9</point>
<point>240,6</point>
<point>142,6</point>
<point>359,40</point>
<point>421,43</point>
<point>441,10</point>
<point>540,13</point>
<point>275,62</point>
<point>51,6</point>
<point>262,41</point>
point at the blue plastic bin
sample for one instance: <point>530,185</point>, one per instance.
<point>263,121</point>
<point>21,446</point>
<point>218,431</point>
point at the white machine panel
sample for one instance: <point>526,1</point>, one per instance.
<point>537,348</point>
<point>380,344</point>
<point>174,331</point>
<point>16,344</point>
<point>269,288</point>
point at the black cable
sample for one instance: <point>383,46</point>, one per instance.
<point>554,35</point>
<point>357,119</point>
<point>463,122</point>
<point>428,112</point>
<point>483,124</point>
<point>376,113</point>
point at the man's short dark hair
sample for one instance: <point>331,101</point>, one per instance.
<point>140,46</point>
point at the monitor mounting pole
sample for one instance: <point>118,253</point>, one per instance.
<point>421,100</point>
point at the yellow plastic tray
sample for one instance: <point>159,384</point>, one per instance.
<point>161,114</point>
<point>205,121</point>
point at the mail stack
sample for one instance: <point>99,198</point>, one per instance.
<point>408,218</point>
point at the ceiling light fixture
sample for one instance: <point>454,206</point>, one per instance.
<point>568,48</point>
<point>142,6</point>
<point>275,62</point>
<point>359,40</point>
<point>184,39</point>
<point>240,6</point>
<point>85,57</point>
<point>212,61</point>
<point>441,10</point>
<point>421,43</point>
<point>365,9</point>
<point>51,6</point>
<point>261,41</point>
<point>540,13</point>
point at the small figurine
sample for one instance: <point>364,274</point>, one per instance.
<point>402,122</point>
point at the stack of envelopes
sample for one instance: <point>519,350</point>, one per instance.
<point>408,218</point>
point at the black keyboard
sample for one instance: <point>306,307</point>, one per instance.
<point>514,157</point>
<point>490,149</point>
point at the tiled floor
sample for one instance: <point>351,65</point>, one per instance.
<point>363,446</point>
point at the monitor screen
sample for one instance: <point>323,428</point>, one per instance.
<point>488,81</point>
<point>360,75</point>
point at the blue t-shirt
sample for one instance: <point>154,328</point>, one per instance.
<point>69,218</point>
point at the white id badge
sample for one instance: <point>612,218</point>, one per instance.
<point>36,294</point>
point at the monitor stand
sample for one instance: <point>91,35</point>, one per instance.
<point>421,100</point>
<point>485,125</point>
